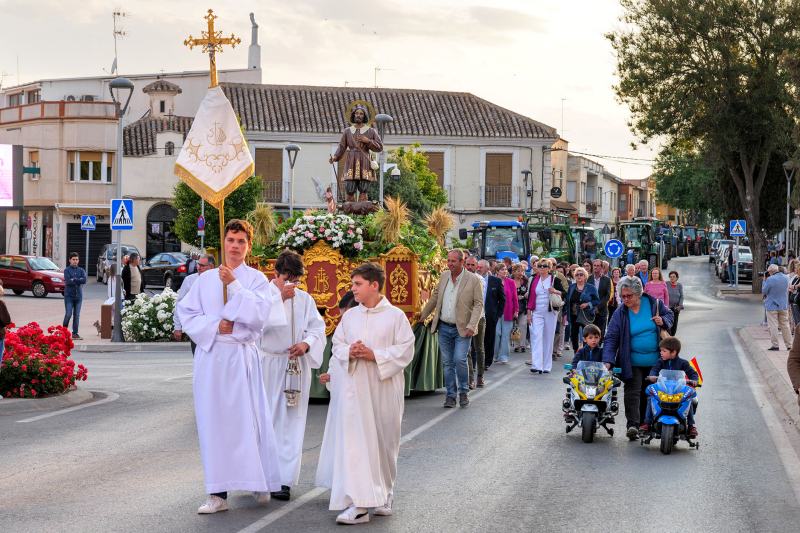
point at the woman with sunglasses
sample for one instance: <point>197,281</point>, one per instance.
<point>580,296</point>
<point>542,316</point>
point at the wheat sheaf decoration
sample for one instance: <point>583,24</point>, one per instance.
<point>264,224</point>
<point>439,223</point>
<point>391,220</point>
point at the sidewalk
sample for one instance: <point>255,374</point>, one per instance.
<point>772,366</point>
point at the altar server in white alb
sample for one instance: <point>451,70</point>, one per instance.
<point>371,347</point>
<point>302,339</point>
<point>237,441</point>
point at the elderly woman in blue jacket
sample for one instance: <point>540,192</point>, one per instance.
<point>631,343</point>
<point>580,295</point>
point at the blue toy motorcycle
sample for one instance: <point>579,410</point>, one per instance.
<point>670,399</point>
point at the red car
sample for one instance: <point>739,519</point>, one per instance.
<point>22,273</point>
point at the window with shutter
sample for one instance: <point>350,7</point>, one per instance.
<point>269,165</point>
<point>498,180</point>
<point>436,164</point>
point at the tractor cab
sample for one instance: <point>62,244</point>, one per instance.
<point>495,239</point>
<point>642,242</point>
<point>549,235</point>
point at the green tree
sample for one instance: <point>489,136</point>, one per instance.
<point>418,186</point>
<point>237,205</point>
<point>685,180</point>
<point>713,72</point>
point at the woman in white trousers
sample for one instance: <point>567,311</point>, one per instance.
<point>542,317</point>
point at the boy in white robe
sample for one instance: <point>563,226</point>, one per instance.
<point>303,338</point>
<point>372,345</point>
<point>237,442</point>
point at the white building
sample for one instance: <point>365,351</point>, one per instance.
<point>68,130</point>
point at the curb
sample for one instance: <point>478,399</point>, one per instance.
<point>118,347</point>
<point>11,406</point>
<point>786,399</point>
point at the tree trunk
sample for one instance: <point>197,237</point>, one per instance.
<point>749,186</point>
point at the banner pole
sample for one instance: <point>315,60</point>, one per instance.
<point>221,209</point>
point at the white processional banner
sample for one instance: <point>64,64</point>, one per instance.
<point>215,159</point>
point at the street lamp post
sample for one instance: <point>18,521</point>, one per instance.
<point>789,168</point>
<point>526,176</point>
<point>291,151</point>
<point>382,119</point>
<point>121,91</point>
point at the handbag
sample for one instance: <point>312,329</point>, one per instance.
<point>515,334</point>
<point>556,302</point>
<point>585,316</point>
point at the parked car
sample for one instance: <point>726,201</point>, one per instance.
<point>167,269</point>
<point>22,273</point>
<point>108,257</point>
<point>745,264</point>
<point>716,245</point>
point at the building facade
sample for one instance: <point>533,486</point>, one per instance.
<point>491,162</point>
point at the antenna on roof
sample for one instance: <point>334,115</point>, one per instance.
<point>119,32</point>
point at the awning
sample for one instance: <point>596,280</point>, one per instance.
<point>561,206</point>
<point>83,209</point>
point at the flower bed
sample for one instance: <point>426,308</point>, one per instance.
<point>36,364</point>
<point>149,318</point>
<point>340,231</point>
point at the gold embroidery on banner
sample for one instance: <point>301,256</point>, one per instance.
<point>399,280</point>
<point>215,159</point>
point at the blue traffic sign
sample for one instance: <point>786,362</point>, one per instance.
<point>614,248</point>
<point>121,214</point>
<point>737,228</point>
<point>88,223</point>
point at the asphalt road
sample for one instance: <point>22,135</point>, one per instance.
<point>503,464</point>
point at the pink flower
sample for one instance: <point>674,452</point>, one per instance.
<point>358,245</point>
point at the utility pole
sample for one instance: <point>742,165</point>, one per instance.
<point>118,33</point>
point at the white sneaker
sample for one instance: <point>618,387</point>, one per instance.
<point>262,497</point>
<point>385,509</point>
<point>353,515</point>
<point>214,504</point>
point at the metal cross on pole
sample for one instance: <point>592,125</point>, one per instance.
<point>212,42</point>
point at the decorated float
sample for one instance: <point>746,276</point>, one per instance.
<point>332,245</point>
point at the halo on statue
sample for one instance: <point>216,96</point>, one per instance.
<point>370,109</point>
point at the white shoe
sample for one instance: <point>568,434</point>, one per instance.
<point>385,509</point>
<point>214,504</point>
<point>262,497</point>
<point>353,515</point>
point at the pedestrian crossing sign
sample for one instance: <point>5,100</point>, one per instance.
<point>88,223</point>
<point>738,228</point>
<point>121,214</point>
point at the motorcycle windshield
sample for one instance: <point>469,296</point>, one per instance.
<point>672,381</point>
<point>592,371</point>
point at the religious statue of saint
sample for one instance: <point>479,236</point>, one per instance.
<point>355,145</point>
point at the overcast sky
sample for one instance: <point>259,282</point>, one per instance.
<point>527,55</point>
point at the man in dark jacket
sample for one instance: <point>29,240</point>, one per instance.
<point>132,278</point>
<point>494,301</point>
<point>603,285</point>
<point>74,279</point>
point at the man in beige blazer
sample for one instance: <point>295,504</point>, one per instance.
<point>458,304</point>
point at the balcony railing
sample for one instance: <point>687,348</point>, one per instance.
<point>498,196</point>
<point>273,191</point>
<point>58,110</point>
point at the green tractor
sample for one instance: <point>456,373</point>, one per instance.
<point>549,235</point>
<point>642,240</point>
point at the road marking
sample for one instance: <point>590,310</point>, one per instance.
<point>787,453</point>
<point>111,396</point>
<point>319,491</point>
<point>176,378</point>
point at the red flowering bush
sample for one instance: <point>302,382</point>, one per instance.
<point>37,364</point>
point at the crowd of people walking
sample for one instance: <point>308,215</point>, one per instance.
<point>484,311</point>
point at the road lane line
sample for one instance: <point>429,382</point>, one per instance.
<point>786,452</point>
<point>176,378</point>
<point>277,514</point>
<point>111,396</point>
